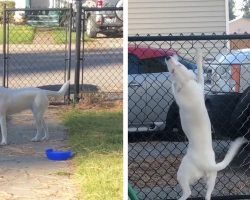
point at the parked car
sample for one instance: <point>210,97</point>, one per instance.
<point>151,106</point>
<point>230,72</point>
<point>149,89</point>
<point>106,22</point>
<point>229,80</point>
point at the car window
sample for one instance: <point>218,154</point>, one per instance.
<point>234,58</point>
<point>154,65</point>
<point>110,3</point>
<point>133,64</point>
<point>188,64</point>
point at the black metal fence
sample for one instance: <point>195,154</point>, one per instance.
<point>156,140</point>
<point>40,48</point>
<point>102,64</point>
<point>35,47</point>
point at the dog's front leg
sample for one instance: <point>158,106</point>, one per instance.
<point>3,129</point>
<point>38,130</point>
<point>46,132</point>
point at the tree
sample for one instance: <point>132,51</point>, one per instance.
<point>246,8</point>
<point>231,9</point>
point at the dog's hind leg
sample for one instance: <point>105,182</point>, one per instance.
<point>186,191</point>
<point>187,174</point>
<point>183,177</point>
<point>38,109</point>
<point>46,132</point>
<point>3,130</point>
<point>211,177</point>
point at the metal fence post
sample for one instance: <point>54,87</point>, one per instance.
<point>4,45</point>
<point>69,46</point>
<point>78,48</point>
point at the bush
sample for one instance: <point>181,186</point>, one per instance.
<point>9,4</point>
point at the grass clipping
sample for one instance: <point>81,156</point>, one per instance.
<point>96,138</point>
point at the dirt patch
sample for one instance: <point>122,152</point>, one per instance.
<point>25,172</point>
<point>153,166</point>
<point>151,172</point>
<point>43,37</point>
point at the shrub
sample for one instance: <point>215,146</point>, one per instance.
<point>9,4</point>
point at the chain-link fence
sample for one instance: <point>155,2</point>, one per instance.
<point>35,47</point>
<point>102,53</point>
<point>156,140</point>
<point>40,48</point>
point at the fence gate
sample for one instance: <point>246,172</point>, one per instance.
<point>156,141</point>
<point>102,53</point>
<point>36,47</point>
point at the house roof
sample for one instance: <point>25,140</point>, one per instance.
<point>239,18</point>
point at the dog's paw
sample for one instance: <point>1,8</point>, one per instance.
<point>35,139</point>
<point>45,138</point>
<point>3,143</point>
<point>241,140</point>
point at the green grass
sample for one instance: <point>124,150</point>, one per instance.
<point>96,138</point>
<point>59,36</point>
<point>19,34</point>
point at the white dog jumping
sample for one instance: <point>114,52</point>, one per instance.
<point>16,100</point>
<point>199,161</point>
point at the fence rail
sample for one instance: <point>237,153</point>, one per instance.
<point>157,142</point>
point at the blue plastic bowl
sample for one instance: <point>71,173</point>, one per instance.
<point>58,155</point>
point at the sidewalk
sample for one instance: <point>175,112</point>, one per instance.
<point>25,172</point>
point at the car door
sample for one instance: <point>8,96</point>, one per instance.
<point>159,95</point>
<point>136,94</point>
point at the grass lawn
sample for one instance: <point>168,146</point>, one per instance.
<point>19,34</point>
<point>96,138</point>
<point>59,36</point>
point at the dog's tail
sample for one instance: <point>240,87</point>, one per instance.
<point>234,148</point>
<point>61,92</point>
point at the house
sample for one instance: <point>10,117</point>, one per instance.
<point>180,16</point>
<point>177,17</point>
<point>239,25</point>
<point>41,4</point>
<point>38,18</point>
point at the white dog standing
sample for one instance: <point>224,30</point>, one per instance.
<point>199,161</point>
<point>16,100</point>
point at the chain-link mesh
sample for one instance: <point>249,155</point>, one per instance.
<point>157,143</point>
<point>36,47</point>
<point>102,53</point>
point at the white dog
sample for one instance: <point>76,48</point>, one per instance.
<point>16,100</point>
<point>199,161</point>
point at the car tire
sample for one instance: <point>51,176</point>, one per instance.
<point>91,29</point>
<point>240,120</point>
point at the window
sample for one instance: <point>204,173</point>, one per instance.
<point>154,65</point>
<point>133,64</point>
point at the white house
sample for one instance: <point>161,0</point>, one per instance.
<point>37,4</point>
<point>177,16</point>
<point>40,3</point>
